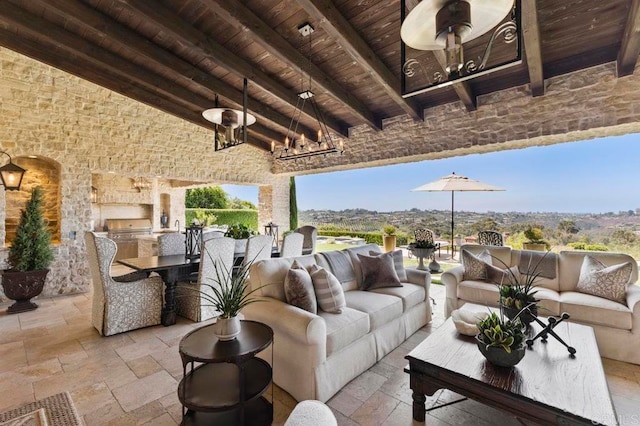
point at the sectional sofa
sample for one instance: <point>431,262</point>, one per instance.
<point>616,325</point>
<point>314,356</point>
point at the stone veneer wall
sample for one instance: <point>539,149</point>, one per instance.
<point>89,129</point>
<point>582,105</point>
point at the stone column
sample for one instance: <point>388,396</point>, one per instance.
<point>273,204</point>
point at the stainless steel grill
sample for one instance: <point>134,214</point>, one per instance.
<point>124,232</point>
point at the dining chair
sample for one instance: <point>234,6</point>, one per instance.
<point>216,258</point>
<point>490,238</point>
<point>258,248</point>
<point>292,244</point>
<point>310,236</point>
<point>171,243</point>
<point>122,303</point>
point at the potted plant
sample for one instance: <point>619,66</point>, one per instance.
<point>535,240</point>
<point>229,295</point>
<point>500,340</point>
<point>422,249</point>
<point>29,257</point>
<point>240,233</point>
<point>389,238</point>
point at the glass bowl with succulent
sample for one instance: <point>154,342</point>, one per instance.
<point>501,340</point>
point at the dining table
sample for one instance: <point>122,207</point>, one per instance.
<point>172,269</point>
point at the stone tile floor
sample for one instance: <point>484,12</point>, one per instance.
<point>132,378</point>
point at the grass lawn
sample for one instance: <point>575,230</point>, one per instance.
<point>435,278</point>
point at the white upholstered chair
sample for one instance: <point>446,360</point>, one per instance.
<point>310,236</point>
<point>120,303</point>
<point>171,243</point>
<point>292,245</point>
<point>258,248</point>
<point>190,303</point>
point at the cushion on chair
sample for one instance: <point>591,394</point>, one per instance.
<point>411,294</point>
<point>298,289</point>
<point>591,309</point>
<point>378,271</point>
<point>608,282</point>
<point>344,329</point>
<point>381,308</point>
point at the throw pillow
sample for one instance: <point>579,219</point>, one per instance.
<point>398,263</point>
<point>329,292</point>
<point>500,276</point>
<point>608,282</point>
<point>475,265</point>
<point>378,271</point>
<point>298,289</point>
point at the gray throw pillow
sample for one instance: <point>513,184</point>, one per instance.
<point>378,271</point>
<point>501,276</point>
<point>298,289</point>
<point>328,290</point>
<point>398,263</point>
<point>599,280</point>
<point>475,267</point>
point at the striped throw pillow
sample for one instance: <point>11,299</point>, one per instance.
<point>329,292</point>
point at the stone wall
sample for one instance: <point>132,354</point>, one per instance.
<point>87,129</point>
<point>582,105</point>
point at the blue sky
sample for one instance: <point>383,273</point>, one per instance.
<point>594,176</point>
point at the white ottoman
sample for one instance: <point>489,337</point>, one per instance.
<point>311,413</point>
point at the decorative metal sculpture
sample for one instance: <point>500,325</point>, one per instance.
<point>547,329</point>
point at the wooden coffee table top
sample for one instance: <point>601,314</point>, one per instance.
<point>547,378</point>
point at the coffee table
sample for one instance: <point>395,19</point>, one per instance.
<point>547,386</point>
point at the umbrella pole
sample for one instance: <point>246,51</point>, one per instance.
<point>452,236</point>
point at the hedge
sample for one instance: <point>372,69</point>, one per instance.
<point>228,216</point>
<point>369,237</point>
<point>589,247</point>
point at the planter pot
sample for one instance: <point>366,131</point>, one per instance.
<point>227,329</point>
<point>389,242</point>
<point>534,246</point>
<point>421,254</point>
<point>21,287</point>
<point>499,357</point>
<point>526,318</point>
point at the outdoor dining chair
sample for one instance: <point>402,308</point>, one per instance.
<point>292,244</point>
<point>490,238</point>
<point>310,236</point>
<point>191,297</point>
<point>122,303</point>
<point>171,243</point>
<point>258,248</point>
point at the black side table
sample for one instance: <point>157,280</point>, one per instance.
<point>227,388</point>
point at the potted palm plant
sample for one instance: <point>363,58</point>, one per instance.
<point>29,257</point>
<point>501,340</point>
<point>389,238</point>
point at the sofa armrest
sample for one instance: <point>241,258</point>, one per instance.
<point>288,320</point>
<point>633,297</point>
<point>415,276</point>
<point>451,279</point>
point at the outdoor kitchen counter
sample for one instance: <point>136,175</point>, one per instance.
<point>148,244</point>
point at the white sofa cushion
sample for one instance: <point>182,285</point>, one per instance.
<point>591,309</point>
<point>345,328</point>
<point>381,308</point>
<point>411,294</point>
<point>571,262</point>
<point>488,294</point>
<point>269,274</point>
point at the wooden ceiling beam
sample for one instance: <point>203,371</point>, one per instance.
<point>96,63</point>
<point>338,27</point>
<point>244,19</point>
<point>531,38</point>
<point>630,46</point>
<point>94,21</point>
<point>187,34</point>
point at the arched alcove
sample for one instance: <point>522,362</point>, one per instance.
<point>40,172</point>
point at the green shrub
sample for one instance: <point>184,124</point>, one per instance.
<point>369,237</point>
<point>589,247</point>
<point>245,217</point>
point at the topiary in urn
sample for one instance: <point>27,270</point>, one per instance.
<point>29,257</point>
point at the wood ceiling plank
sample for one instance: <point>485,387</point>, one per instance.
<point>221,55</point>
<point>347,37</point>
<point>243,18</point>
<point>531,38</point>
<point>630,48</point>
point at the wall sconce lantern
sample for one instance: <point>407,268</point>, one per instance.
<point>193,241</point>
<point>11,175</point>
<point>94,194</point>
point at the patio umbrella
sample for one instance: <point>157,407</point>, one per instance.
<point>453,183</point>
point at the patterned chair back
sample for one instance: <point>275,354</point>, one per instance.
<point>424,235</point>
<point>258,248</point>
<point>171,243</point>
<point>217,252</point>
<point>490,238</point>
<point>292,245</point>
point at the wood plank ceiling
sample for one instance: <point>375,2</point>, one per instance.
<point>176,55</point>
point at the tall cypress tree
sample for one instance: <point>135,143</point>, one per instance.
<point>293,204</point>
<point>31,248</point>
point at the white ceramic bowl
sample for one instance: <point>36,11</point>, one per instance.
<point>465,321</point>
